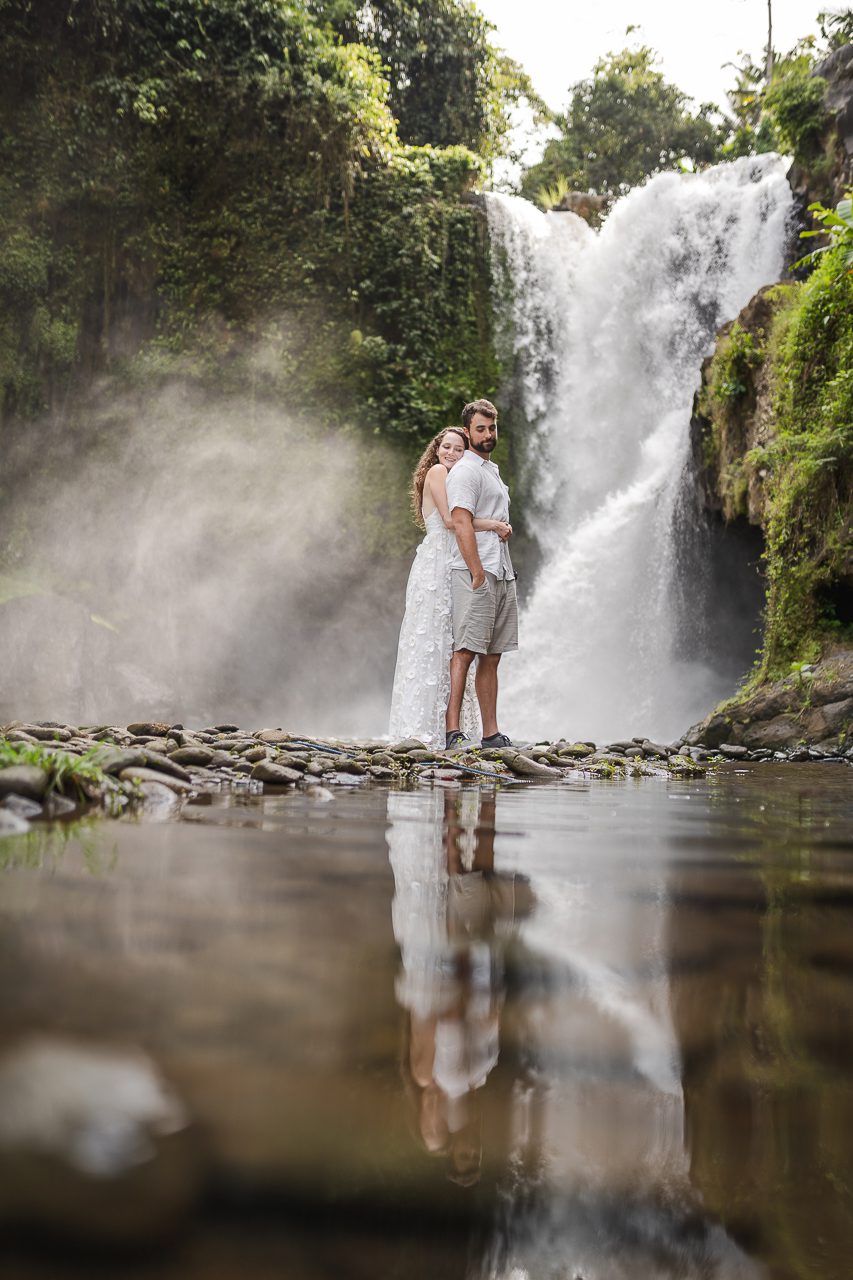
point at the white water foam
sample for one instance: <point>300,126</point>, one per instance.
<point>606,334</point>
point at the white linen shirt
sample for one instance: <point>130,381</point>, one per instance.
<point>475,484</point>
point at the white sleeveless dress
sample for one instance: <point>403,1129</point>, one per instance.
<point>422,675</point>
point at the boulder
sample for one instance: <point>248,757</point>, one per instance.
<point>273,736</point>
<point>524,766</point>
<point>781,731</point>
<point>141,774</point>
<point>192,755</point>
<point>272,774</point>
<point>23,780</point>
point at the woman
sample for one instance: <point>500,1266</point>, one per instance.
<point>422,677</point>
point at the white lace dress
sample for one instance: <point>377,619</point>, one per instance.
<point>422,676</point>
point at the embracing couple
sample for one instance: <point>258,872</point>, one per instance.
<point>460,599</point>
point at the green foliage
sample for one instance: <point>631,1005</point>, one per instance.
<point>215,188</point>
<point>835,27</point>
<point>787,115</point>
<point>794,101</point>
<point>838,225</point>
<point>551,197</point>
<point>749,130</point>
<point>67,772</point>
<point>723,401</point>
<point>810,463</point>
<point>622,125</point>
<point>448,85</point>
<point>737,353</point>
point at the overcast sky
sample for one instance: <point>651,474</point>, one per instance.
<point>558,41</point>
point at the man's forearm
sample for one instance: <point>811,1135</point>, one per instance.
<point>463,526</point>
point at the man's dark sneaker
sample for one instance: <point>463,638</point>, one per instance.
<point>454,737</point>
<point>496,740</point>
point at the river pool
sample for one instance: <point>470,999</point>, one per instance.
<point>587,1029</point>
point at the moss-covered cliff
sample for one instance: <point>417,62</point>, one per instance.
<point>773,445</point>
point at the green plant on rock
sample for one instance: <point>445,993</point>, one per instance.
<point>795,101</point>
<point>724,403</point>
<point>837,224</point>
<point>67,772</point>
<point>810,465</point>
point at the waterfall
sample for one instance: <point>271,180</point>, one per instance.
<point>604,335</point>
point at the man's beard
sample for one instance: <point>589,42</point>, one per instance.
<point>485,446</point>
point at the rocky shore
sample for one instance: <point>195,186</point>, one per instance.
<point>50,770</point>
<point>806,715</point>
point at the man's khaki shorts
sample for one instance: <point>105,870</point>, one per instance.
<point>485,620</point>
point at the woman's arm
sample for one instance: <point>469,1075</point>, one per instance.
<point>501,527</point>
<point>436,482</point>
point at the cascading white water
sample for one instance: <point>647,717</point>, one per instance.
<point>606,333</point>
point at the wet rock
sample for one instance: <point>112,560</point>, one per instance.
<point>163,764</point>
<point>22,806</point>
<point>254,754</point>
<point>93,1143</point>
<point>152,729</point>
<point>270,773</point>
<point>351,766</point>
<point>159,802</point>
<point>273,736</point>
<point>192,755</point>
<point>576,750</point>
<point>654,748</point>
<point>782,731</point>
<point>48,732</point>
<point>710,733</point>
<point>831,718</point>
<point>57,806</point>
<point>23,780</point>
<point>114,759</point>
<point>524,766</point>
<point>381,772</point>
<point>141,774</point>
<point>407,745</point>
<point>289,761</point>
<point>731,751</point>
<point>681,766</point>
<point>12,824</point>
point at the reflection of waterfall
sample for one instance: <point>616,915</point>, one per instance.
<point>608,332</point>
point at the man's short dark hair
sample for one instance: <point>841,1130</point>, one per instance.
<point>485,407</point>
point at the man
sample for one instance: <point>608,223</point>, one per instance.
<point>485,613</point>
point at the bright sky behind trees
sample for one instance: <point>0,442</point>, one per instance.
<point>559,41</point>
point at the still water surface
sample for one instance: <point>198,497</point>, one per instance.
<point>587,1029</point>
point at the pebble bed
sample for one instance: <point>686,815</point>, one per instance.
<point>158,766</point>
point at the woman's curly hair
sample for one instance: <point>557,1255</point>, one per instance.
<point>428,459</point>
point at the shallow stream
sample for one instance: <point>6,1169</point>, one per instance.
<point>584,1029</point>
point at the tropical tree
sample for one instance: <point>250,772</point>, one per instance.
<point>621,125</point>
<point>448,86</point>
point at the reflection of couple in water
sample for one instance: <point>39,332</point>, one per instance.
<point>450,905</point>
<point>460,599</point>
<point>578,1130</point>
